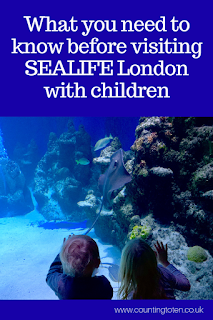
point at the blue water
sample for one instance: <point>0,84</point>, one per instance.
<point>3,152</point>
<point>3,181</point>
<point>23,129</point>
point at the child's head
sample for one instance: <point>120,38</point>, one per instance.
<point>138,271</point>
<point>79,256</point>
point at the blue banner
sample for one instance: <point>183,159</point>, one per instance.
<point>99,309</point>
<point>113,58</point>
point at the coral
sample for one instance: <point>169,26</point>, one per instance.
<point>104,159</point>
<point>172,179</point>
<point>174,140</point>
<point>140,170</point>
<point>70,126</point>
<point>27,158</point>
<point>62,173</point>
<point>151,137</point>
<point>161,172</point>
<point>115,144</point>
<point>137,146</point>
<point>197,254</point>
<point>161,147</point>
<point>147,123</point>
<point>153,151</point>
<point>168,134</point>
<point>129,166</point>
<point>208,195</point>
<point>59,181</point>
<point>143,172</point>
<point>14,196</point>
<point>134,221</point>
<point>90,206</point>
<point>154,135</point>
<point>203,179</point>
<point>139,232</point>
<point>143,163</point>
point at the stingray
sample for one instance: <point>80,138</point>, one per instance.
<point>115,177</point>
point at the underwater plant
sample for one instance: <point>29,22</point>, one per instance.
<point>140,232</point>
<point>197,254</point>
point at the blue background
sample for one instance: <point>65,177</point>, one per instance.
<point>22,129</point>
<point>23,96</point>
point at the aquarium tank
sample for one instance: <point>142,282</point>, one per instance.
<point>113,178</point>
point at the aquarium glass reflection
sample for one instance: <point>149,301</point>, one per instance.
<point>114,179</point>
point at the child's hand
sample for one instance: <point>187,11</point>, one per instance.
<point>67,238</point>
<point>161,253</point>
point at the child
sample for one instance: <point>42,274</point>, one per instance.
<point>143,278</point>
<point>70,274</point>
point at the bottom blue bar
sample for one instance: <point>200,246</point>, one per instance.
<point>98,309</point>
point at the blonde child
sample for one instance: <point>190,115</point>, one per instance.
<point>71,274</point>
<point>143,278</point>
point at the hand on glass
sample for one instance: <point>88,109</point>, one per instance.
<point>67,238</point>
<point>161,253</point>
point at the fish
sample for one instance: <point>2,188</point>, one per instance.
<point>83,161</point>
<point>115,177</point>
<point>102,142</point>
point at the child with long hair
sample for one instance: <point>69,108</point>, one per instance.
<point>141,276</point>
<point>71,274</point>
